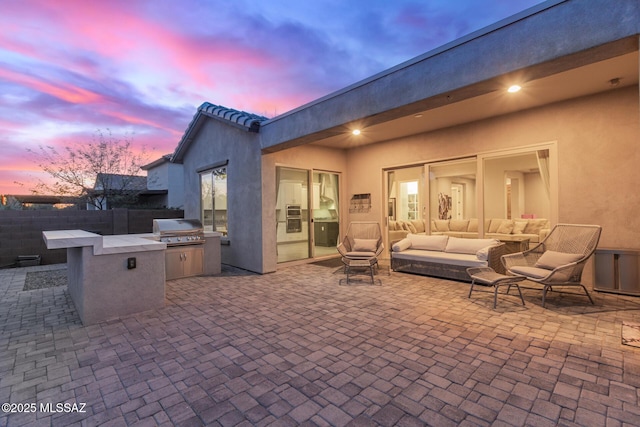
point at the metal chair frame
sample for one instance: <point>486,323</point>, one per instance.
<point>574,239</point>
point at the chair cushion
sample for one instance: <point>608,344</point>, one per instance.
<point>360,255</point>
<point>552,259</point>
<point>429,243</point>
<point>365,245</point>
<point>531,272</point>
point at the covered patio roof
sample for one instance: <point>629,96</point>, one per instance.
<point>557,50</point>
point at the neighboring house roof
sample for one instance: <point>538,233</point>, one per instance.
<point>240,119</point>
<point>164,159</point>
<point>120,182</point>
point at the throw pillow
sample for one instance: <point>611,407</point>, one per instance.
<point>506,227</point>
<point>402,245</point>
<point>519,226</point>
<point>428,243</point>
<point>494,225</point>
<point>412,228</point>
<point>551,259</point>
<point>418,224</point>
<point>365,245</point>
<point>535,225</point>
<point>458,224</point>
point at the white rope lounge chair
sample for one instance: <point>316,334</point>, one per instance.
<point>363,240</point>
<point>559,259</point>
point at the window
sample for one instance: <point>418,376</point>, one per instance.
<point>213,199</point>
<point>452,186</point>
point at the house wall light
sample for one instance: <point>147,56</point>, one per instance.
<point>514,88</point>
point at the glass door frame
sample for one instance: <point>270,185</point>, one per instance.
<point>307,212</point>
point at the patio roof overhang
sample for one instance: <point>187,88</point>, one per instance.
<point>557,50</point>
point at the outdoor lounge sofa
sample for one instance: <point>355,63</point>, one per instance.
<point>535,229</point>
<point>444,256</point>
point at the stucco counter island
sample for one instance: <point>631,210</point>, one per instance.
<point>113,276</point>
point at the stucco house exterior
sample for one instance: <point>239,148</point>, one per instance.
<point>166,179</point>
<point>441,126</point>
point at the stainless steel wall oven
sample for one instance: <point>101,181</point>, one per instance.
<point>294,219</point>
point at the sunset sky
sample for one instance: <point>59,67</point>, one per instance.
<point>140,68</point>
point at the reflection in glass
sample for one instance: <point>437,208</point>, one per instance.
<point>213,200</point>
<point>452,196</point>
<point>517,186</point>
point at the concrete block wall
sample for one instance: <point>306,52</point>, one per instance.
<point>21,231</point>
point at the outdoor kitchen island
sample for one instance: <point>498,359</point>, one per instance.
<point>113,276</point>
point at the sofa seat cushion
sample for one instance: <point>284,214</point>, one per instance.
<point>532,272</point>
<point>464,260</point>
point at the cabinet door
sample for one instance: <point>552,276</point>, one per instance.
<point>173,263</point>
<point>193,261</point>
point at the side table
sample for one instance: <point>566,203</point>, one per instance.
<point>515,244</point>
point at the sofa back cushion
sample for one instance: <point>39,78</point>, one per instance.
<point>428,243</point>
<point>468,246</point>
<point>442,224</point>
<point>392,225</point>
<point>458,224</point>
<point>473,225</point>
<point>411,227</point>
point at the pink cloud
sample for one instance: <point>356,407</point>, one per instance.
<point>144,66</point>
<point>61,90</point>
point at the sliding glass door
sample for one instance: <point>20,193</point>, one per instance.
<point>307,213</point>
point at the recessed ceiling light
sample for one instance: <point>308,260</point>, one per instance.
<point>356,132</point>
<point>417,116</point>
<point>514,89</point>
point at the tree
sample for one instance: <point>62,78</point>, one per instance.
<point>104,171</point>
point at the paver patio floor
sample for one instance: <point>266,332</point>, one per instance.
<point>297,347</point>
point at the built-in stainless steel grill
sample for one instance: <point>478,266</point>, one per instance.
<point>179,232</point>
